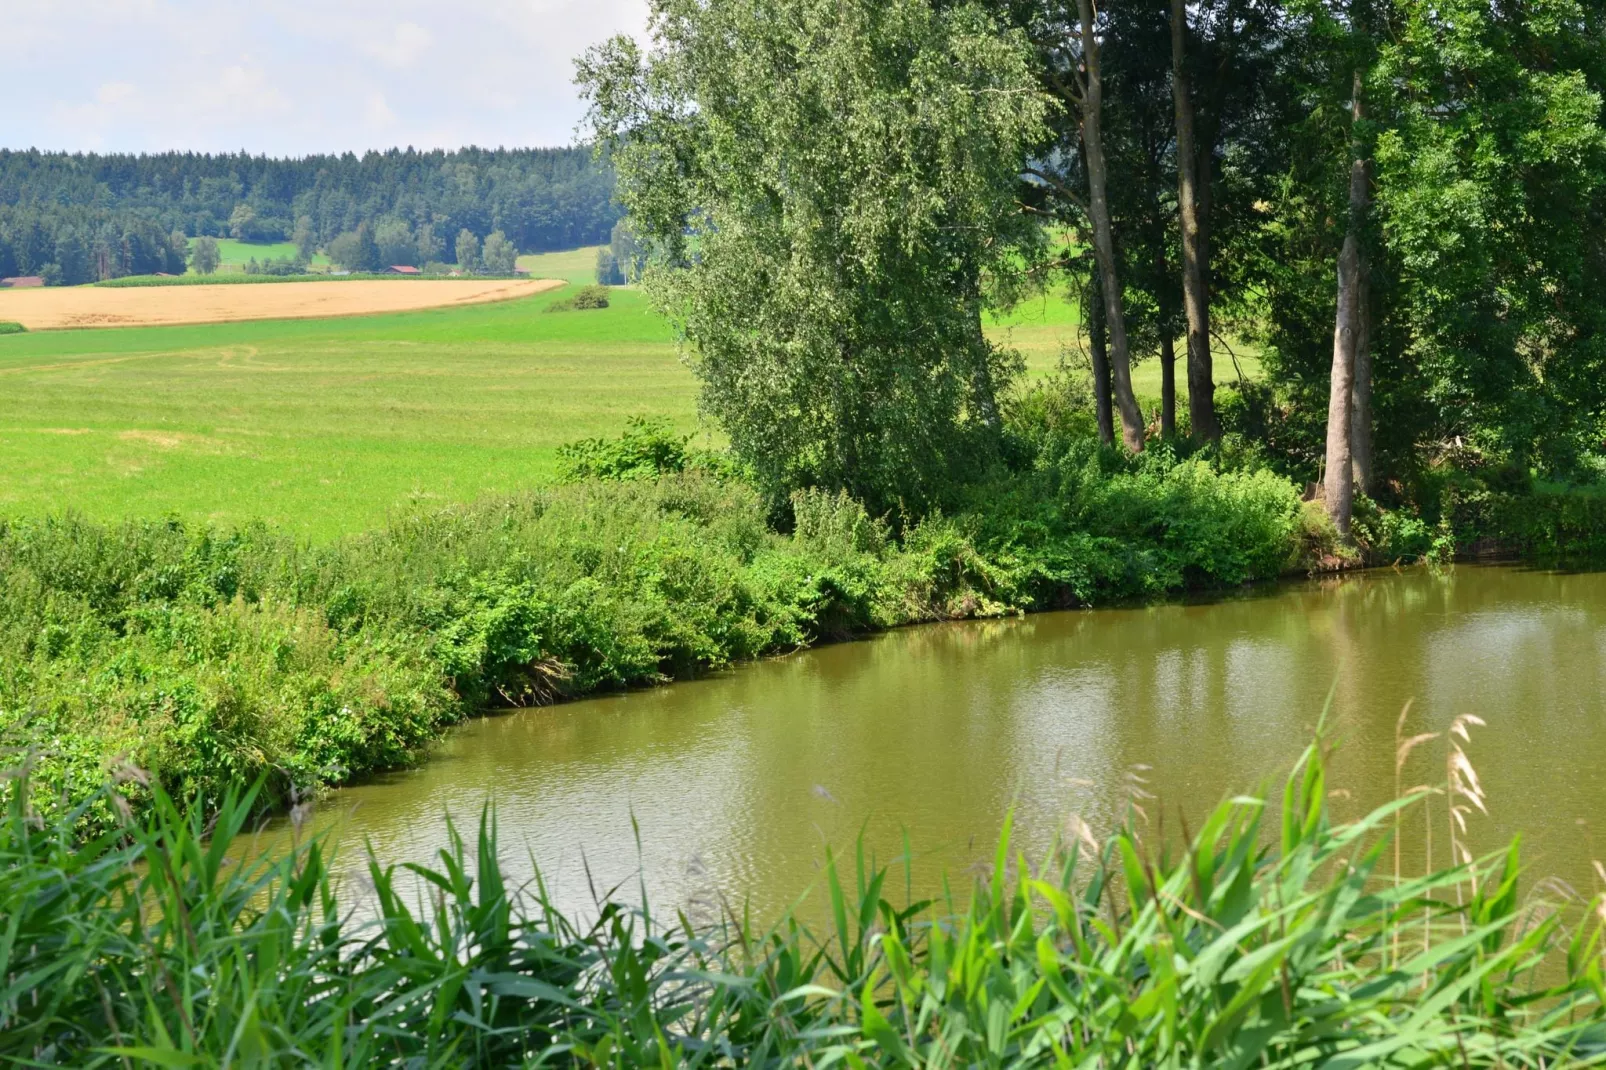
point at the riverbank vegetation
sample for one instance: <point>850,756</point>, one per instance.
<point>1277,937</point>
<point>211,657</point>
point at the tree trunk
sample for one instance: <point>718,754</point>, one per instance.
<point>1098,348</point>
<point>1168,352</point>
<point>1168,385</point>
<point>1339,486</point>
<point>1195,295</point>
<point>1347,329</point>
<point>1104,236</point>
<point>983,391</point>
<point>1361,403</point>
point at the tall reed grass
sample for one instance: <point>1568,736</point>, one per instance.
<point>1274,937</point>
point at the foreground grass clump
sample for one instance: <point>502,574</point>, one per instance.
<point>1263,944</point>
<point>211,657</point>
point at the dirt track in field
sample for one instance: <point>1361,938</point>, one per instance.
<point>56,308</point>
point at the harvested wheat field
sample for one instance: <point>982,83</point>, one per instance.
<point>156,306</point>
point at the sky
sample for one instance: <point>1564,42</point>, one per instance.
<point>293,77</point>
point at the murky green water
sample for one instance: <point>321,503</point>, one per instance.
<point>730,788</point>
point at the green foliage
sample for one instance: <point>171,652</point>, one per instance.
<point>543,199</point>
<point>830,193</point>
<point>211,657</point>
<point>10,327</point>
<point>204,256</point>
<point>646,450</point>
<point>1483,128</point>
<point>499,255</point>
<point>608,273</point>
<point>396,243</point>
<point>629,256</point>
<point>467,249</point>
<point>357,250</point>
<point>1277,943</point>
<point>290,266</point>
<point>587,297</point>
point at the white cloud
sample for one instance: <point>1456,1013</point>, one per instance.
<point>407,41</point>
<point>378,113</point>
<point>242,91</point>
<point>112,94</point>
<point>297,76</point>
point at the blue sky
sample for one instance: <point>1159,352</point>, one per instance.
<point>291,77</point>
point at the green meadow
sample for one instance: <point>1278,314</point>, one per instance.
<point>331,426</point>
<point>234,254</point>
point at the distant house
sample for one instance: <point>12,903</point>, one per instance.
<point>404,269</point>
<point>21,282</point>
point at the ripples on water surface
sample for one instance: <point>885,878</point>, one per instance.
<point>737,783</point>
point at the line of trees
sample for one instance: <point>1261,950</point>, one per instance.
<point>1400,203</point>
<point>70,244</point>
<point>78,218</point>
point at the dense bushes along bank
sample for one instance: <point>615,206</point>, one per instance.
<point>213,657</point>
<point>150,946</point>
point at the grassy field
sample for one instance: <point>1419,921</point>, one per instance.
<point>235,254</point>
<point>323,425</point>
<point>328,426</point>
<point>1045,327</point>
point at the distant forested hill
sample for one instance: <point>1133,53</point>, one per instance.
<point>76,218</point>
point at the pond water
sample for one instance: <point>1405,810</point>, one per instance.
<point>729,789</point>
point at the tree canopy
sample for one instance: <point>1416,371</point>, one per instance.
<point>113,215</point>
<point>830,188</point>
<point>1399,204</point>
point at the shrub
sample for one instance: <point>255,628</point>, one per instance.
<point>647,449</point>
<point>288,266</point>
<point>586,297</point>
<point>11,327</point>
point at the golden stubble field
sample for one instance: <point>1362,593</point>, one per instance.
<point>155,306</point>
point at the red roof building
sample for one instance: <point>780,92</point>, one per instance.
<point>404,269</point>
<point>21,282</point>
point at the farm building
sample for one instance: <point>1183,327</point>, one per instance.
<point>20,282</point>
<point>404,269</point>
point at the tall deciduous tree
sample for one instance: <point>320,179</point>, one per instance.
<point>396,243</point>
<point>1098,209</point>
<point>430,246</point>
<point>468,251</point>
<point>205,257</point>
<point>829,188</point>
<point>1195,296</point>
<point>1098,346</point>
<point>499,255</point>
<point>1340,471</point>
<point>306,239</point>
